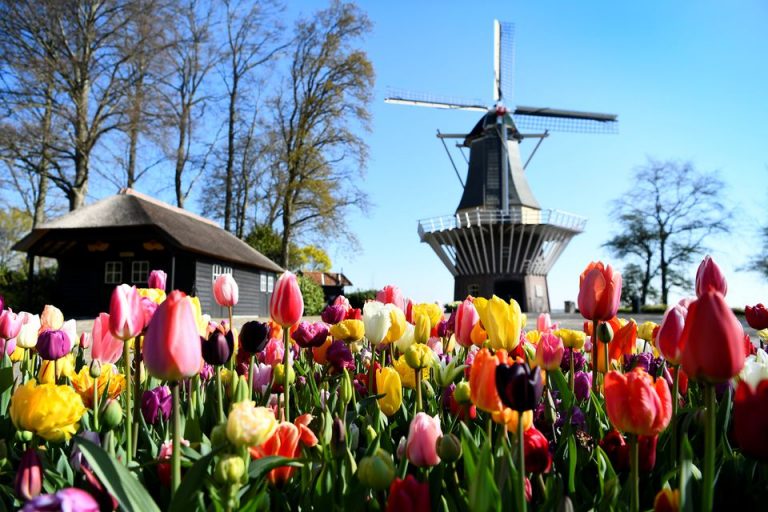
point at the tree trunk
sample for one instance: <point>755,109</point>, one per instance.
<point>181,155</point>
<point>134,131</point>
<point>38,216</point>
<point>79,189</point>
<point>646,281</point>
<point>230,153</point>
<point>286,235</point>
<point>663,269</point>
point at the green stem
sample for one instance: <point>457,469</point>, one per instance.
<point>572,376</point>
<point>136,395</point>
<point>522,504</point>
<point>96,404</point>
<point>219,394</point>
<point>286,369</point>
<point>250,375</point>
<point>634,472</point>
<point>418,391</point>
<point>708,484</point>
<point>176,454</point>
<point>673,424</point>
<point>594,356</point>
<point>231,366</point>
<point>128,403</point>
<point>371,369</point>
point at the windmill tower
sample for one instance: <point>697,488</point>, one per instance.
<point>500,241</point>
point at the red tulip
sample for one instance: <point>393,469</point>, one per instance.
<point>757,316</point>
<point>225,291</point>
<point>106,348</point>
<point>670,333</point>
<point>709,276</point>
<point>537,456</point>
<point>157,279</point>
<point>617,449</point>
<point>466,319</point>
<point>391,295</point>
<point>636,404</point>
<point>29,475</point>
<point>750,419</point>
<point>126,316</point>
<point>285,443</point>
<point>286,304</point>
<point>408,495</point>
<point>713,340</point>
<point>599,292</point>
<point>172,345</point>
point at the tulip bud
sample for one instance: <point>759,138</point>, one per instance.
<point>24,436</point>
<point>29,476</point>
<point>710,277</point>
<point>229,470</point>
<point>95,369</point>
<point>462,392</point>
<point>345,388</point>
<point>422,329</point>
<point>219,435</point>
<point>85,340</point>
<point>377,471</point>
<point>449,448</point>
<point>418,356</point>
<point>370,433</point>
<point>242,392</point>
<point>112,415</point>
<point>278,375</point>
<point>157,279</point>
<point>427,389</point>
<point>254,336</point>
<point>338,437</point>
<point>225,290</point>
<point>604,332</point>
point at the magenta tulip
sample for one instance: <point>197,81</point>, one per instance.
<point>549,352</point>
<point>157,279</point>
<point>670,333</point>
<point>421,447</point>
<point>466,318</point>
<point>709,276</point>
<point>308,335</point>
<point>148,306</point>
<point>85,340</point>
<point>126,316</point>
<point>105,347</point>
<point>172,345</point>
<point>52,345</point>
<point>286,304</point>
<point>156,404</point>
<point>225,291</point>
<point>10,324</point>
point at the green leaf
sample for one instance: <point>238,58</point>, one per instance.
<point>260,467</point>
<point>195,477</point>
<point>571,465</point>
<point>120,482</point>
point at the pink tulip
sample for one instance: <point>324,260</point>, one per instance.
<point>549,352</point>
<point>466,319</point>
<point>599,292</point>
<point>126,316</point>
<point>544,323</point>
<point>670,333</point>
<point>29,476</point>
<point>225,290</point>
<point>85,340</point>
<point>172,344</point>
<point>10,324</point>
<point>391,295</point>
<point>286,304</point>
<point>148,306</point>
<point>421,447</point>
<point>343,302</point>
<point>157,279</point>
<point>105,347</point>
<point>709,276</point>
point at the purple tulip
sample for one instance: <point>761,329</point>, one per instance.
<point>157,279</point>
<point>69,500</point>
<point>156,403</point>
<point>29,475</point>
<point>254,336</point>
<point>333,314</point>
<point>578,360</point>
<point>309,335</point>
<point>340,357</point>
<point>581,384</point>
<point>53,344</point>
<point>206,372</point>
<point>76,457</point>
<point>262,376</point>
<point>218,348</point>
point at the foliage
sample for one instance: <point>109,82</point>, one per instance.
<point>632,276</point>
<point>314,300</point>
<point>14,288</point>
<point>759,263</point>
<point>268,242</point>
<point>14,224</point>
<point>359,297</point>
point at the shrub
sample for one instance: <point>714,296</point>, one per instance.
<point>314,300</point>
<point>360,297</point>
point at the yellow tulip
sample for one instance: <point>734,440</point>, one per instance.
<point>421,328</point>
<point>248,425</point>
<point>108,379</point>
<point>502,321</point>
<point>572,338</point>
<point>407,375</point>
<point>645,331</point>
<point>388,384</point>
<point>509,417</point>
<point>200,321</point>
<point>533,337</point>
<point>397,324</point>
<point>154,294</point>
<point>50,411</point>
<point>419,356</point>
<point>65,366</point>
<point>433,311</point>
<point>17,354</point>
<point>348,330</point>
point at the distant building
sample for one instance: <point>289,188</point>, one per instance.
<point>333,283</point>
<point>121,238</point>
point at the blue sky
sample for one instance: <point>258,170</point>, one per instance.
<point>688,81</point>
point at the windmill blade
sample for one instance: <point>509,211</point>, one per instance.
<point>574,121</point>
<point>432,100</point>
<point>503,60</point>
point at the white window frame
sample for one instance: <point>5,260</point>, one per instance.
<point>139,268</point>
<point>270,284</point>
<point>113,272</point>
<point>263,283</point>
<point>217,270</point>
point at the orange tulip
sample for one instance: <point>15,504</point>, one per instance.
<point>636,404</point>
<point>623,342</point>
<point>478,335</point>
<point>599,291</point>
<point>482,379</point>
<point>285,443</point>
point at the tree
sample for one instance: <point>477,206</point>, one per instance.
<point>759,263</point>
<point>269,243</point>
<point>633,285</point>
<point>318,156</point>
<point>14,224</point>
<point>636,242</point>
<point>673,210</point>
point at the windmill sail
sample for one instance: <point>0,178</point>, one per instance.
<point>558,120</point>
<point>503,60</point>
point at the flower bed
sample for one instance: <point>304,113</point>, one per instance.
<point>388,407</point>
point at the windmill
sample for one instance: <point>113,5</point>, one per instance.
<point>500,241</point>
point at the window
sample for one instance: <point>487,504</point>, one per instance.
<point>473,289</point>
<point>139,271</point>
<point>263,283</point>
<point>270,284</point>
<point>113,272</point>
<point>218,270</point>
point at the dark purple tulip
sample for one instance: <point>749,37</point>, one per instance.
<point>642,360</point>
<point>442,328</point>
<point>53,344</point>
<point>29,475</point>
<point>578,360</point>
<point>157,279</point>
<point>309,335</point>
<point>333,314</point>
<point>519,388</point>
<point>254,336</point>
<point>156,404</point>
<point>69,499</point>
<point>581,384</point>
<point>340,357</point>
<point>218,348</point>
<point>10,324</point>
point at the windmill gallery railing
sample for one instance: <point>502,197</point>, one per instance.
<point>520,241</point>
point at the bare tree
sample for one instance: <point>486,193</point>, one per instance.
<point>636,241</point>
<point>321,104</point>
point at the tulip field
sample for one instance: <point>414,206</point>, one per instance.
<point>396,406</point>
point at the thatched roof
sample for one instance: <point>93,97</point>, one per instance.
<point>132,209</point>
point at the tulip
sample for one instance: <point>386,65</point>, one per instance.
<point>750,418</point>
<point>70,499</point>
<point>397,324</point>
<point>248,425</point>
<point>254,336</point>
<point>156,404</point>
<point>433,311</point>
<point>286,304</point>
<point>482,379</point>
<point>27,337</point>
<point>421,329</point>
<point>407,339</point>
<point>519,388</point>
<point>757,317</point>
<point>407,375</point>
<point>421,447</point>
<point>571,338</point>
<point>391,295</point>
<point>549,352</point>
<point>636,404</point>
<point>667,500</point>
<point>86,338</point>
<point>668,339</point>
<point>645,331</point>
<point>10,324</point>
<point>172,346</point>
<point>157,279</point>
<point>388,383</point>
<point>148,307</point>
<point>51,318</point>
<point>377,471</point>
<point>544,323</point>
<point>333,314</point>
<point>29,475</point>
<point>50,411</point>
<point>53,345</point>
<point>225,291</point>
<point>106,348</point>
<point>599,292</point>
<point>538,459</point>
<point>712,340</point>
<point>348,330</point>
<point>126,316</point>
<point>284,442</point>
<point>218,348</point>
<point>710,277</point>
<point>466,319</point>
<point>408,494</point>
<point>309,335</point>
<point>502,321</point>
<point>340,357</point>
